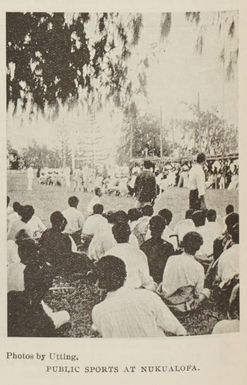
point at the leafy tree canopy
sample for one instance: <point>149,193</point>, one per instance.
<point>51,58</point>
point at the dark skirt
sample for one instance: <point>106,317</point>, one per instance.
<point>194,200</point>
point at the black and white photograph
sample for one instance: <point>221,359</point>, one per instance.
<point>122,172</point>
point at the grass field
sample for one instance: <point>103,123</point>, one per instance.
<point>46,199</point>
<point>82,297</point>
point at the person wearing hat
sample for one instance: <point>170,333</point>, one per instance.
<point>196,184</point>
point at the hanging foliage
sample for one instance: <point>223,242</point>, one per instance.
<point>165,24</point>
<point>51,58</point>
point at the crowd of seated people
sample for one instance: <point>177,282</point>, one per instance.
<point>150,272</point>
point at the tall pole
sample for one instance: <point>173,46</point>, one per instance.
<point>173,139</point>
<point>223,100</point>
<point>93,138</point>
<point>161,144</point>
<point>73,155</point>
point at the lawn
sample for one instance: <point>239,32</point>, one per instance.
<point>81,297</point>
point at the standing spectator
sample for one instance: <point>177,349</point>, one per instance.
<point>145,186</point>
<point>197,184</point>
<point>77,179</point>
<point>30,177</point>
<point>38,173</point>
<point>67,176</point>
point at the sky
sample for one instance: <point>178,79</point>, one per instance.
<point>176,76</point>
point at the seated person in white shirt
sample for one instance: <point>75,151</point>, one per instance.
<point>228,264</point>
<point>168,233</point>
<point>135,260</point>
<point>127,312</point>
<point>15,272</point>
<point>12,252</point>
<point>93,224</point>
<point>183,270</point>
<point>142,225</point>
<point>35,226</point>
<point>95,200</point>
<point>103,240</point>
<point>133,215</point>
<point>213,227</point>
<point>26,253</point>
<point>26,213</point>
<point>205,253</point>
<point>75,219</point>
<point>14,215</point>
<point>184,226</point>
<point>232,324</point>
